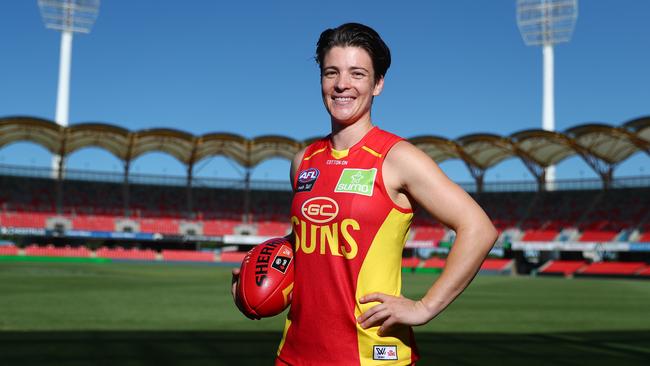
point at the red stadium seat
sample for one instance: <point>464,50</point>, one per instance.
<point>434,262</point>
<point>410,262</point>
<point>24,219</point>
<point>94,222</point>
<point>52,251</point>
<point>233,257</point>
<point>161,225</point>
<point>220,227</point>
<point>272,228</point>
<point>613,268</point>
<point>644,272</point>
<point>8,250</point>
<point>428,233</point>
<point>121,253</point>
<point>590,235</point>
<point>491,264</point>
<point>187,256</point>
<point>539,235</point>
<point>562,267</point>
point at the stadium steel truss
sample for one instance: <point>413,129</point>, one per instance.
<point>602,146</point>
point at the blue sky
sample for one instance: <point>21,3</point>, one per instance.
<point>459,67</point>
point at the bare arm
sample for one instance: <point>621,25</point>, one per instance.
<point>410,175</point>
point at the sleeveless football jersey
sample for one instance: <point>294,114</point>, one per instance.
<point>349,237</point>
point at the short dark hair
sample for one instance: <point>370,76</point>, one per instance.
<point>355,35</point>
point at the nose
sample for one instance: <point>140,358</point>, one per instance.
<point>342,82</point>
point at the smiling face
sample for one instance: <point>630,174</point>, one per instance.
<point>348,85</point>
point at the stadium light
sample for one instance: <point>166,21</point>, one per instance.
<point>545,23</point>
<point>67,16</point>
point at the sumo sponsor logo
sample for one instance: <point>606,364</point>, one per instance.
<point>307,179</point>
<point>358,181</point>
<point>384,352</point>
<point>319,233</point>
<point>320,210</point>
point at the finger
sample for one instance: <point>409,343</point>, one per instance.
<point>387,325</point>
<point>235,278</point>
<point>375,296</point>
<point>370,312</point>
<point>376,319</point>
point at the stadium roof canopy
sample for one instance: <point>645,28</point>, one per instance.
<point>602,146</point>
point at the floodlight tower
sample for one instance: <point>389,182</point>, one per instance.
<point>545,23</point>
<point>67,16</point>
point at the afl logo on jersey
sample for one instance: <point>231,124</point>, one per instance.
<point>320,210</point>
<point>306,179</point>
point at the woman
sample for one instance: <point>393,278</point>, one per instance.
<point>354,194</point>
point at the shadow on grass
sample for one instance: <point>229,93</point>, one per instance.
<point>258,348</point>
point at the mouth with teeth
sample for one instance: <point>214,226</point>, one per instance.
<point>342,100</point>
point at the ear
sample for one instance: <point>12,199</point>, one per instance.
<point>379,86</point>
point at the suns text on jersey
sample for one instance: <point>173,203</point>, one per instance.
<point>333,238</point>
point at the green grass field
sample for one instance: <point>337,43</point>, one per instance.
<point>163,314</point>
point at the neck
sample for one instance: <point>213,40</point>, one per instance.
<point>345,136</point>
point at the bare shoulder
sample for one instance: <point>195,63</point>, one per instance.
<point>409,171</point>
<point>405,162</point>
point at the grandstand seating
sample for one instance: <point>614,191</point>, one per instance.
<point>93,205</point>
<point>495,264</point>
<point>24,219</point>
<point>410,262</point>
<point>52,251</point>
<point>429,233</point>
<point>187,256</point>
<point>220,227</point>
<point>539,235</point>
<point>273,228</point>
<point>592,235</point>
<point>162,225</point>
<point>505,209</point>
<point>582,215</point>
<point>233,257</point>
<point>8,250</point>
<point>434,262</point>
<point>121,253</point>
<point>613,268</point>
<point>562,267</point>
<point>93,222</point>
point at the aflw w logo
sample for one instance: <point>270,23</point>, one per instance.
<point>384,352</point>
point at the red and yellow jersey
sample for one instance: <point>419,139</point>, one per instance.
<point>349,237</point>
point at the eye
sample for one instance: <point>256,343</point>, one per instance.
<point>329,73</point>
<point>358,75</point>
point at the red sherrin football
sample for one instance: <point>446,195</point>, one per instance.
<point>266,279</point>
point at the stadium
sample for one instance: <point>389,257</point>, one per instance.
<point>587,229</point>
<point>85,237</point>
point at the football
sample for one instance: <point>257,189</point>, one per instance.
<point>266,279</point>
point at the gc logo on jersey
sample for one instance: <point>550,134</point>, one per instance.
<point>320,210</point>
<point>306,179</point>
